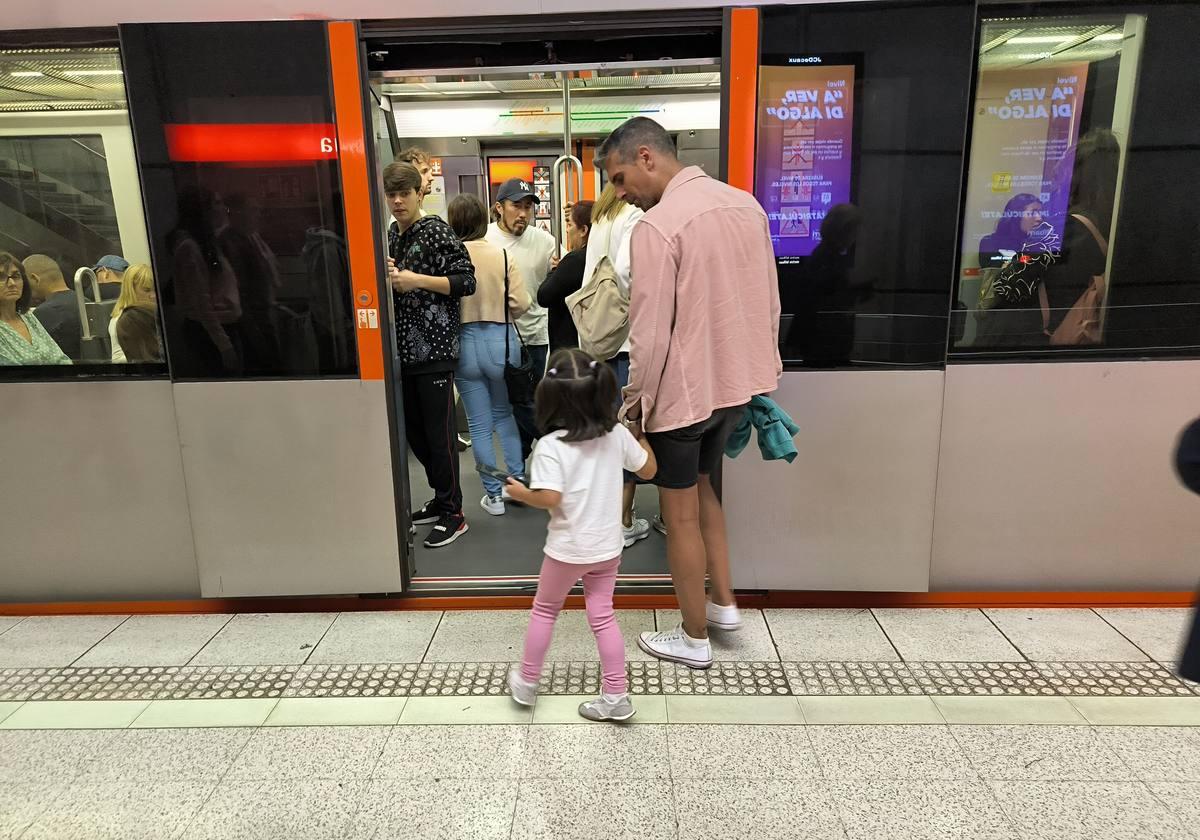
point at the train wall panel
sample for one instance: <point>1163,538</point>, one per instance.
<point>291,487</point>
<point>1060,477</point>
<point>854,511</point>
<point>95,505</point>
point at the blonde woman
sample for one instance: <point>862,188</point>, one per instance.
<point>137,289</point>
<point>613,219</point>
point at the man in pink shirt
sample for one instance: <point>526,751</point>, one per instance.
<point>704,334</point>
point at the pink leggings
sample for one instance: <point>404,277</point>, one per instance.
<point>554,584</point>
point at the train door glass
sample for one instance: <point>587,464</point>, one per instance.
<point>543,124</point>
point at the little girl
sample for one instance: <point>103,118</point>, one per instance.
<point>576,475</point>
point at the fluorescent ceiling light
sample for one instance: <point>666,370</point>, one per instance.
<point>1110,36</point>
<point>93,72</point>
<point>1041,39</point>
<point>26,73</point>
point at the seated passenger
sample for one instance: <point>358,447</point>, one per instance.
<point>56,307</point>
<point>137,288</point>
<point>137,333</point>
<point>23,339</point>
<point>110,270</point>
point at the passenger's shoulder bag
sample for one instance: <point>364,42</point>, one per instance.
<point>519,379</point>
<point>600,309</point>
<point>1081,324</point>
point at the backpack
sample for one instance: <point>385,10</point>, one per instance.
<point>600,309</point>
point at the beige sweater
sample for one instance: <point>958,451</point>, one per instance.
<point>488,301</point>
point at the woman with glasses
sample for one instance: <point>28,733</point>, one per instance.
<point>23,339</point>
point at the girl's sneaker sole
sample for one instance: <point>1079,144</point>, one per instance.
<point>608,718</point>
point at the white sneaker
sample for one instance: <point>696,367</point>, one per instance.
<point>493,505</point>
<point>677,646</point>
<point>523,692</point>
<point>723,618</point>
<point>639,530</point>
<point>659,525</point>
<point>607,707</point>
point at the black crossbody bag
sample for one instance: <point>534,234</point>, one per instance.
<point>518,378</point>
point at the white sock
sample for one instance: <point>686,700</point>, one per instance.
<point>694,642</point>
<point>612,699</point>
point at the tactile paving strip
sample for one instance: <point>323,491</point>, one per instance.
<point>1114,679</point>
<point>745,678</point>
<point>155,682</point>
<point>25,683</point>
<point>448,679</point>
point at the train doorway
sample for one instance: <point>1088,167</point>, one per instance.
<point>534,103</point>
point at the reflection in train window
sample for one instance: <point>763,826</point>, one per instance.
<point>1079,229</point>
<point>71,231</point>
<point>243,197</point>
<point>859,162</point>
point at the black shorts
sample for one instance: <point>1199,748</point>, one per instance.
<point>685,454</point>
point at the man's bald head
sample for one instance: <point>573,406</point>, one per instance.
<point>45,276</point>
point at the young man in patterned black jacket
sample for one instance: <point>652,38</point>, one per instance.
<point>429,271</point>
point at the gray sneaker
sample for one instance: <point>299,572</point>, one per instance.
<point>608,708</point>
<point>523,692</point>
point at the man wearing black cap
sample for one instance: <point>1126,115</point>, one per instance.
<point>531,249</point>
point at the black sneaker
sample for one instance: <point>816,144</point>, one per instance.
<point>447,530</point>
<point>427,515</point>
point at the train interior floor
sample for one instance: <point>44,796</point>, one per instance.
<point>510,546</point>
<point>931,723</point>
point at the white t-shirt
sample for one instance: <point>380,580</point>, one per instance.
<point>531,251</point>
<point>586,526</point>
<point>118,355</point>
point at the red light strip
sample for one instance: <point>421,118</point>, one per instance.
<point>251,143</point>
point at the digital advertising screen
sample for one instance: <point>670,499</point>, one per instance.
<point>1023,142</point>
<point>806,145</point>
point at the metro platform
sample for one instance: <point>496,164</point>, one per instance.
<point>838,723</point>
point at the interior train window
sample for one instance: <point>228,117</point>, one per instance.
<point>77,293</point>
<point>859,159</point>
<point>237,143</point>
<point>1080,226</point>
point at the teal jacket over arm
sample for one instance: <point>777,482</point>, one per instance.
<point>775,431</point>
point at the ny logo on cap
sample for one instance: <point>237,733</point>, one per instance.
<point>525,187</point>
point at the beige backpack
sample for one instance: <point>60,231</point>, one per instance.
<point>600,309</point>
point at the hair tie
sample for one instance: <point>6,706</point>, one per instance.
<point>552,372</point>
<point>592,365</point>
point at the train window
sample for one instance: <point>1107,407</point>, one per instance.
<point>77,294</point>
<point>237,144</point>
<point>1080,228</point>
<point>859,162</point>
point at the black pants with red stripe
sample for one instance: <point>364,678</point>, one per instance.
<point>429,425</point>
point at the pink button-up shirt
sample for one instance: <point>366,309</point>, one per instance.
<point>704,304</point>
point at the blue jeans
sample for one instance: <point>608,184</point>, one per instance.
<point>480,380</point>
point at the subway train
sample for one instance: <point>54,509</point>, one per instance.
<point>984,221</point>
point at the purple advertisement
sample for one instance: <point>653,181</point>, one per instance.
<point>1022,151</point>
<point>804,150</point>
